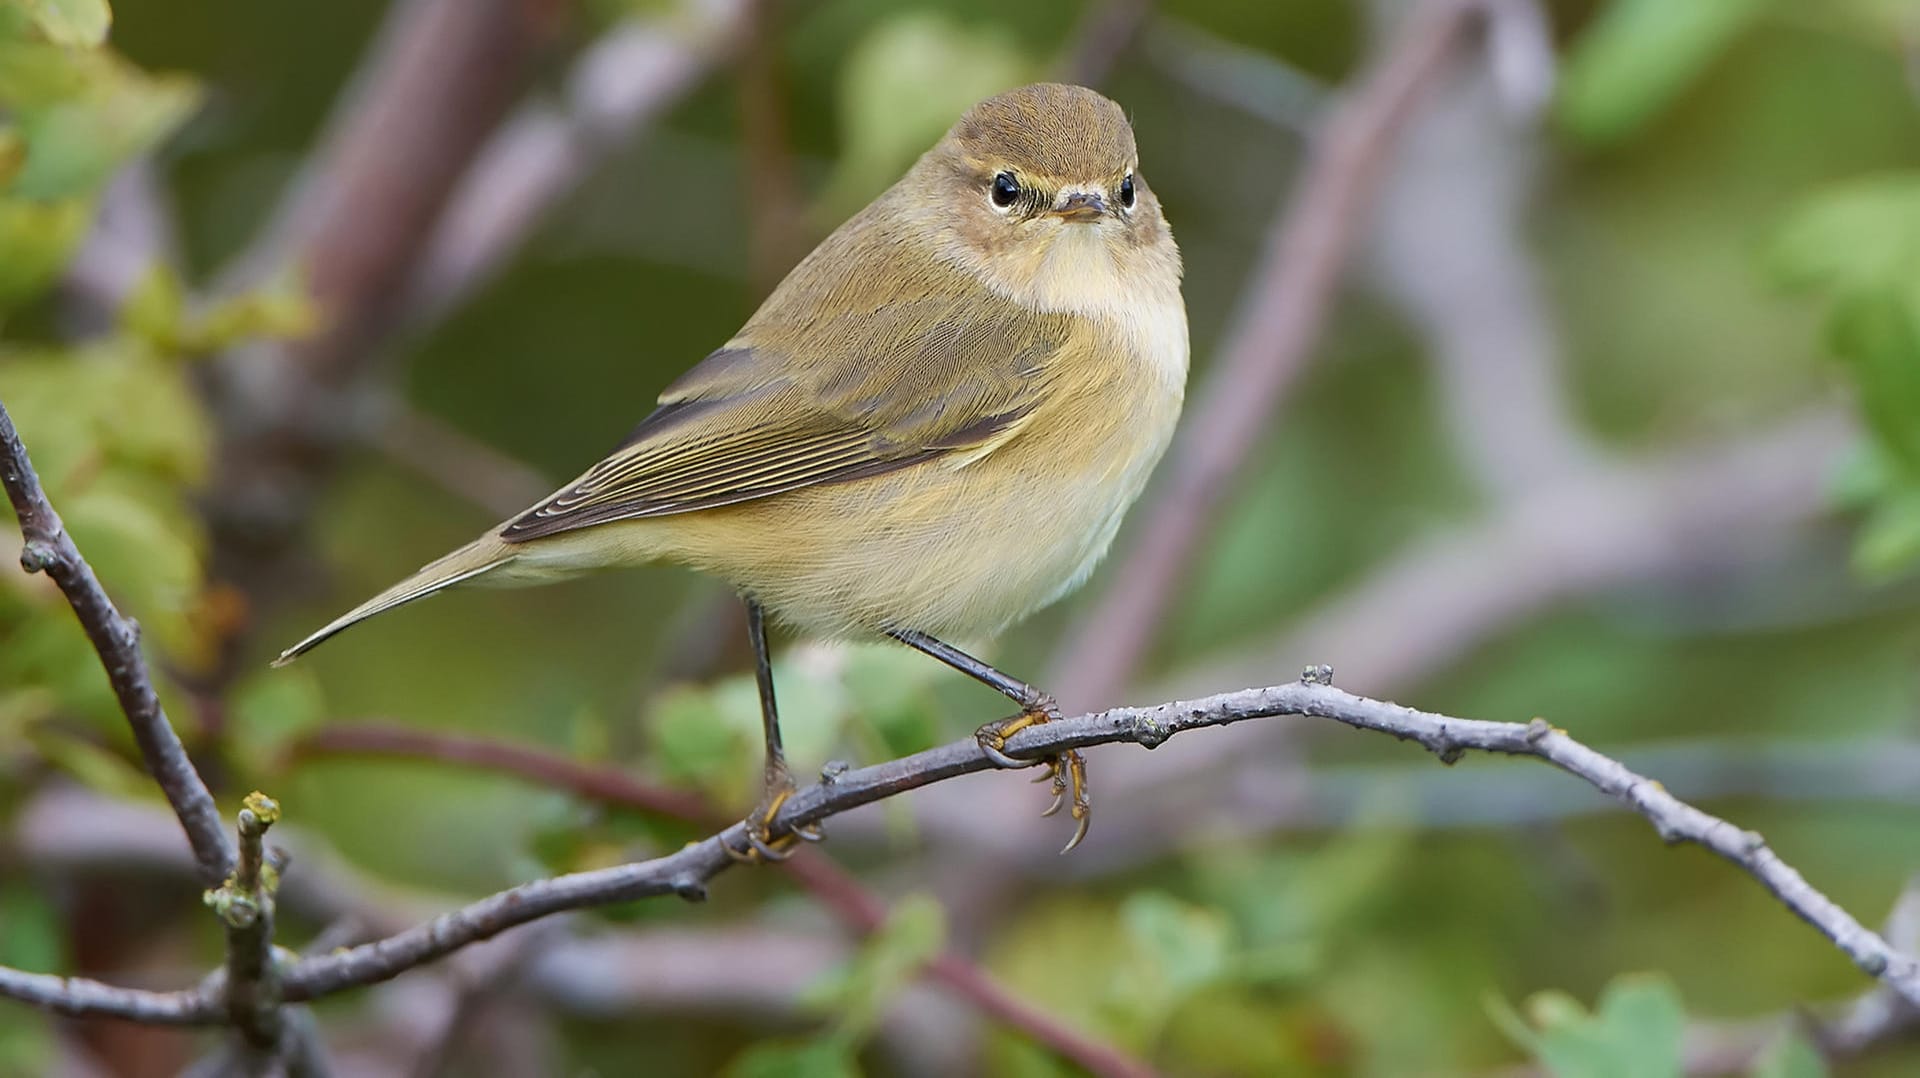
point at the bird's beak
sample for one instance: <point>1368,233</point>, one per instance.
<point>1081,206</point>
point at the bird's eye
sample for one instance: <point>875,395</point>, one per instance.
<point>1126,191</point>
<point>1005,190</point>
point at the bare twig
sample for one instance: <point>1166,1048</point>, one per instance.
<point>622,82</point>
<point>859,908</point>
<point>687,872</point>
<point>1279,318</point>
<point>245,904</point>
<point>48,548</point>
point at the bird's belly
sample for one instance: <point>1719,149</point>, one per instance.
<point>959,552</point>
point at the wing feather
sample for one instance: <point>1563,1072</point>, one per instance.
<point>834,379</point>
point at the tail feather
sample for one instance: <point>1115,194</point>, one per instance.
<point>481,556</point>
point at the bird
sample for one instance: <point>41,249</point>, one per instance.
<point>929,430</point>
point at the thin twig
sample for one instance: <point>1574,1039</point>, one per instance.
<point>48,548</point>
<point>1279,319</point>
<point>831,885</point>
<point>245,905</point>
<point>688,872</point>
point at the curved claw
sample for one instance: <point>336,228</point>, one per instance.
<point>738,856</point>
<point>808,832</point>
<point>1059,798</point>
<point>1000,758</point>
<point>1079,832</point>
<point>765,850</point>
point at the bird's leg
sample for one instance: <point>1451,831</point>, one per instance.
<point>1068,770</point>
<point>778,784</point>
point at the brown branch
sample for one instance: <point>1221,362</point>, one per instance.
<point>621,83</point>
<point>1107,29</point>
<point>355,225</point>
<point>48,548</point>
<point>1280,316</point>
<point>590,781</point>
<point>832,886</point>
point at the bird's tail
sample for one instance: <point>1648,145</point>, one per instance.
<point>483,555</point>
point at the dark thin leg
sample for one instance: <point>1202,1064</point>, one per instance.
<point>1028,697</point>
<point>1067,770</point>
<point>763,675</point>
<point>779,784</point>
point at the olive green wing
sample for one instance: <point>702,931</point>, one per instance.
<point>828,395</point>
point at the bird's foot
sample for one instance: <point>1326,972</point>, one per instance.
<point>1067,771</point>
<point>761,846</point>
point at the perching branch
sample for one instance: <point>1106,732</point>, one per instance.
<point>688,872</point>
<point>48,548</point>
<point>832,886</point>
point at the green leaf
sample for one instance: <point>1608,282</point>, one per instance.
<point>701,742</point>
<point>155,307</point>
<point>74,23</point>
<point>824,1058</point>
<point>1189,946</point>
<point>1877,332</point>
<point>269,711</point>
<point>891,957</point>
<point>1638,57</point>
<point>75,146</point>
<point>1863,233</point>
<point>1635,1030</point>
<point>901,87</point>
<point>1790,1056</point>
<point>1889,540</point>
<point>38,238</point>
<point>30,936</point>
<point>97,768</point>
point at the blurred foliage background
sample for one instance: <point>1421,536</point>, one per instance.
<point>1551,457</point>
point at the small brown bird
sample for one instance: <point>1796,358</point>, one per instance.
<point>929,430</point>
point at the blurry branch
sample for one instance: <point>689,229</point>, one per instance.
<point>353,228</point>
<point>778,220</point>
<point>621,83</point>
<point>1449,247</point>
<point>1613,524</point>
<point>1254,82</point>
<point>592,782</point>
<point>48,548</point>
<point>455,461</point>
<point>834,888</point>
<point>1107,29</point>
<point>438,79</point>
<point>1280,315</point>
<point>130,235</point>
